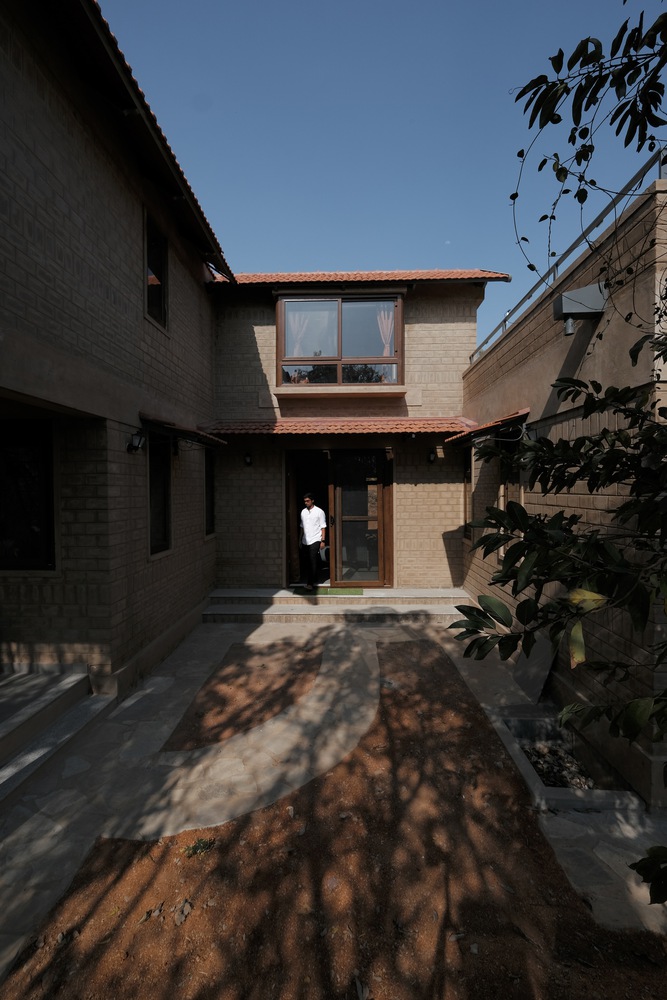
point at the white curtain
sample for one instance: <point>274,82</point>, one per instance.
<point>296,331</point>
<point>386,327</point>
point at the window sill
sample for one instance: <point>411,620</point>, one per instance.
<point>332,391</point>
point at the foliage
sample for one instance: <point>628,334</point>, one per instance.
<point>653,869</point>
<point>560,570</point>
<point>620,87</point>
<point>200,846</point>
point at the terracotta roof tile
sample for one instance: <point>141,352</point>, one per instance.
<point>160,138</point>
<point>509,418</point>
<point>322,277</point>
<point>343,425</point>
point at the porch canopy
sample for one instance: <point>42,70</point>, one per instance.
<point>457,426</point>
<point>468,436</point>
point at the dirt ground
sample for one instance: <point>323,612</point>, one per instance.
<point>413,870</point>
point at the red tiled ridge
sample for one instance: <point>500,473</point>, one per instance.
<point>366,276</point>
<point>344,425</point>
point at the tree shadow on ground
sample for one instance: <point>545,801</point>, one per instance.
<point>413,869</point>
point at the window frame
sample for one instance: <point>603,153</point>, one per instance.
<point>156,263</point>
<point>340,360</point>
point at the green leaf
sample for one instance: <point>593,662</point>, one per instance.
<point>576,644</point>
<point>508,645</point>
<point>586,600</point>
<point>633,718</point>
<point>526,610</point>
<point>525,571</point>
<point>497,609</point>
<point>518,515</point>
<point>557,61</point>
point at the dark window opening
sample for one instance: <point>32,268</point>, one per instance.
<point>27,538</point>
<point>156,273</point>
<point>159,464</point>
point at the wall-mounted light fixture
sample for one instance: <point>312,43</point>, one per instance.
<point>136,442</point>
<point>247,458</point>
<point>579,303</point>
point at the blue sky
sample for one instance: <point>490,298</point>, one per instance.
<point>367,135</point>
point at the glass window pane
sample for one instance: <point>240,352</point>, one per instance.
<point>368,329</point>
<point>156,273</point>
<point>361,502</point>
<point>359,552</point>
<point>377,374</point>
<point>304,374</point>
<point>311,329</point>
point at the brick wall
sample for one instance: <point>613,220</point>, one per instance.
<point>428,517</point>
<point>250,501</point>
<point>74,335</point>
<point>518,371</point>
<point>440,331</point>
<point>61,617</point>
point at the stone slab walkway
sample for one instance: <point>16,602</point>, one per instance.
<point>116,782</point>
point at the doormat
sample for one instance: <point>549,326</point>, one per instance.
<point>329,592</point>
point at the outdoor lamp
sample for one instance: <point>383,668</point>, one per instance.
<point>136,442</point>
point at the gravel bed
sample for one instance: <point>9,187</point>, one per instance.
<point>555,765</point>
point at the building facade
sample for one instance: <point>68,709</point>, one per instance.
<point>161,417</point>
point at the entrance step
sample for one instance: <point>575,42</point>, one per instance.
<point>39,714</point>
<point>375,605</point>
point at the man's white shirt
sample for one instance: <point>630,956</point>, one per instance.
<point>312,522</point>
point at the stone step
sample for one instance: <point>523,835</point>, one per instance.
<point>49,741</point>
<point>370,596</point>
<point>30,702</point>
<point>440,614</point>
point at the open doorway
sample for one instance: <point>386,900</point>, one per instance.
<point>354,489</point>
<point>307,472</point>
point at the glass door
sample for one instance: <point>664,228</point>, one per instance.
<point>357,522</point>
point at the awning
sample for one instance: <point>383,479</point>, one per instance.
<point>468,436</point>
<point>344,425</point>
<point>180,431</point>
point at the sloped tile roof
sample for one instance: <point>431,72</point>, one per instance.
<point>343,425</point>
<point>118,64</point>
<point>327,277</point>
<point>509,418</point>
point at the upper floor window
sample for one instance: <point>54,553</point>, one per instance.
<point>156,273</point>
<point>340,341</point>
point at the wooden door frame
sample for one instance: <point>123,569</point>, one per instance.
<point>385,543</point>
<point>385,520</point>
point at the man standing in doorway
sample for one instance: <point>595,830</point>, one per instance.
<point>313,531</point>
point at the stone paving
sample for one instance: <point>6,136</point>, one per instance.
<point>116,781</point>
